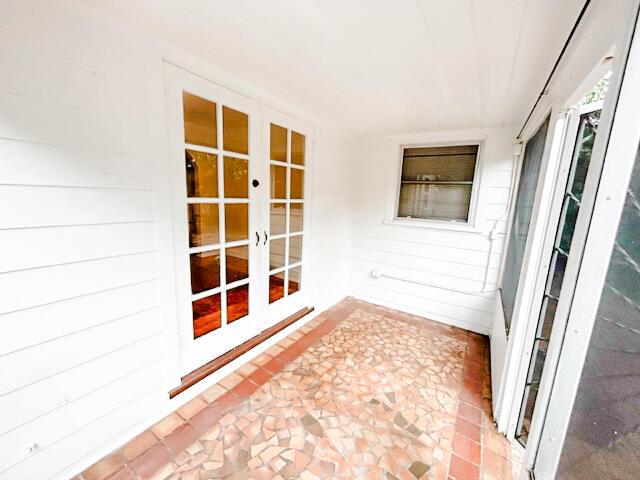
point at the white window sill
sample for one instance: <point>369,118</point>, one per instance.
<point>432,225</point>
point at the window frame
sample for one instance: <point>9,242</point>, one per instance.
<point>471,224</point>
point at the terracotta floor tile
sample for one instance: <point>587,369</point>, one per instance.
<point>470,413</point>
<point>260,376</point>
<point>125,473</point>
<point>362,391</point>
<point>246,369</point>
<point>466,448</point>
<point>230,381</point>
<point>138,445</point>
<point>495,466</point>
<point>192,407</point>
<point>214,392</point>
<point>181,438</point>
<point>496,443</point>
<point>244,388</point>
<point>461,469</point>
<point>147,464</point>
<point>104,468</point>
<point>467,429</point>
<point>205,419</point>
<point>167,425</point>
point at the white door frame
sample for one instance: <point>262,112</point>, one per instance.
<point>569,134</point>
<point>196,352</point>
<point>531,263</point>
<point>609,191</point>
<point>536,263</point>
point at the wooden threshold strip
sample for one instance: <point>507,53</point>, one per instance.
<point>217,363</point>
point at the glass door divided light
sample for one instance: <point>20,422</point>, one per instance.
<point>217,180</point>
<point>239,215</point>
<point>286,210</point>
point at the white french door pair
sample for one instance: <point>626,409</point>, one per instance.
<point>239,183</point>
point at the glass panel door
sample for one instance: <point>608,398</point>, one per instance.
<point>215,208</point>
<point>572,198</point>
<point>287,216</point>
<point>523,210</point>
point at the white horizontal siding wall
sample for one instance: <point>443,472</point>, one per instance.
<point>443,258</point>
<point>88,349</point>
<point>82,356</point>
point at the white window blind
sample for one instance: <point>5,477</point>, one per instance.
<point>437,182</point>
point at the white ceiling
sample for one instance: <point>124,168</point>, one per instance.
<point>374,67</point>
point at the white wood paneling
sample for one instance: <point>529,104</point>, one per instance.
<point>68,244</point>
<point>50,428</point>
<point>449,261</point>
<point>39,324</point>
<point>70,280</point>
<point>21,368</point>
<point>38,164</point>
<point>82,351</point>
<point>124,413</point>
<point>54,391</point>
<point>86,267</point>
<point>27,206</point>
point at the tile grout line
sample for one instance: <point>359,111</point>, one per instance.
<point>230,398</point>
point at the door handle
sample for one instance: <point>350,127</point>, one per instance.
<point>265,237</point>
<point>257,238</point>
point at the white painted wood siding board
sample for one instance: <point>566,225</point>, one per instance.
<point>26,206</point>
<point>125,413</point>
<point>44,323</point>
<point>423,271</point>
<point>39,286</point>
<point>62,422</point>
<point>498,195</point>
<point>493,211</point>
<point>476,245</point>
<point>60,245</point>
<point>42,121</point>
<point>499,178</point>
<point>35,164</point>
<point>428,265</point>
<point>50,393</point>
<point>427,236</point>
<point>20,368</point>
<point>440,300</point>
<point>472,320</point>
<point>453,256</point>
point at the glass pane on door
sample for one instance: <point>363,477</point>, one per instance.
<point>218,212</point>
<point>529,173</point>
<point>561,251</point>
<point>287,173</point>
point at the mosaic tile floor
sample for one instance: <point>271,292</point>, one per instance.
<point>360,392</point>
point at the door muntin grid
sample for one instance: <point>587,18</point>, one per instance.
<point>561,250</point>
<point>286,211</point>
<point>216,146</point>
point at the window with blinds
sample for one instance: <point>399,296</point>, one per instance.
<point>437,182</point>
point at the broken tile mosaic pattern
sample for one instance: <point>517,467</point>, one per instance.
<point>361,391</point>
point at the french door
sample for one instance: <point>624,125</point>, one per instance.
<point>236,272</point>
<point>287,217</point>
<point>560,280</point>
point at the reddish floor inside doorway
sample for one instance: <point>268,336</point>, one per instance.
<point>360,392</point>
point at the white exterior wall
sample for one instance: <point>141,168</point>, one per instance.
<point>88,350</point>
<point>446,258</point>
